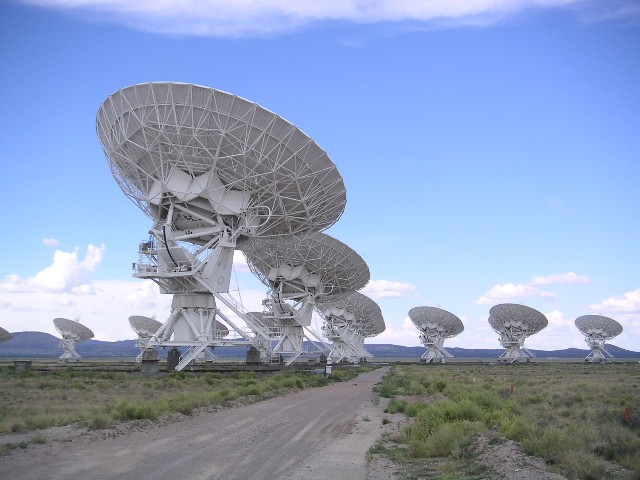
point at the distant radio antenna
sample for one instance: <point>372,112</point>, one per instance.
<point>514,323</point>
<point>597,330</point>
<point>71,332</point>
<point>144,327</point>
<point>435,326</point>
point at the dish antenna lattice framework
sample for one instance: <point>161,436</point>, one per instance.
<point>300,271</point>
<point>514,323</point>
<point>211,170</point>
<point>597,330</point>
<point>435,325</point>
<point>71,332</point>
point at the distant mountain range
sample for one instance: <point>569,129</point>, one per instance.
<point>44,345</point>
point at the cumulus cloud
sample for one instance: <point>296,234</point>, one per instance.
<point>556,319</point>
<point>50,242</point>
<point>144,295</point>
<point>67,273</point>
<point>625,304</point>
<point>510,291</point>
<point>387,289</point>
<point>267,17</point>
<point>403,334</point>
<point>63,300</point>
<point>106,311</point>
<point>565,278</point>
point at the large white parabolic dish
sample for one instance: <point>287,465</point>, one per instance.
<point>318,260</point>
<point>604,327</point>
<point>210,154</point>
<point>505,316</point>
<point>72,329</point>
<point>433,318</point>
<point>144,326</point>
<point>363,314</point>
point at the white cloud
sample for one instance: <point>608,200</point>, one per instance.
<point>144,295</point>
<point>565,278</point>
<point>50,242</point>
<point>66,274</point>
<point>510,291</point>
<point>625,304</point>
<point>556,319</point>
<point>404,334</point>
<point>106,311</point>
<point>387,289</point>
<point>63,300</point>
<point>263,17</point>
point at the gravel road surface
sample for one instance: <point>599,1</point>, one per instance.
<point>320,433</point>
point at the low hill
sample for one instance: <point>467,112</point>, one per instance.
<point>44,345</point>
<point>389,350</point>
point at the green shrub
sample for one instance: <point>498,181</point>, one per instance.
<point>388,388</point>
<point>440,385</point>
<point>126,410</point>
<point>185,404</point>
<point>463,410</point>
<point>541,413</point>
<point>227,394</point>
<point>37,422</point>
<point>396,406</point>
<point>444,439</point>
<point>582,465</point>
<point>100,422</point>
<point>39,439</point>
<point>517,429</point>
<point>413,409</point>
<point>251,390</point>
<point>17,427</point>
<point>549,444</point>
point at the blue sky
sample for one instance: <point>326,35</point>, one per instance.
<point>490,152</point>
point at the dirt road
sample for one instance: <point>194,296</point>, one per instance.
<point>321,433</point>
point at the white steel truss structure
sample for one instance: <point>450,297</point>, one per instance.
<point>71,332</point>
<point>298,272</point>
<point>514,323</point>
<point>435,326</point>
<point>211,169</point>
<point>597,329</point>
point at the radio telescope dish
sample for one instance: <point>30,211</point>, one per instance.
<point>514,323</point>
<point>4,335</point>
<point>71,332</point>
<point>212,153</point>
<point>435,326</point>
<point>211,170</point>
<point>298,272</point>
<point>315,262</point>
<point>144,326</point>
<point>348,321</point>
<point>597,330</point>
